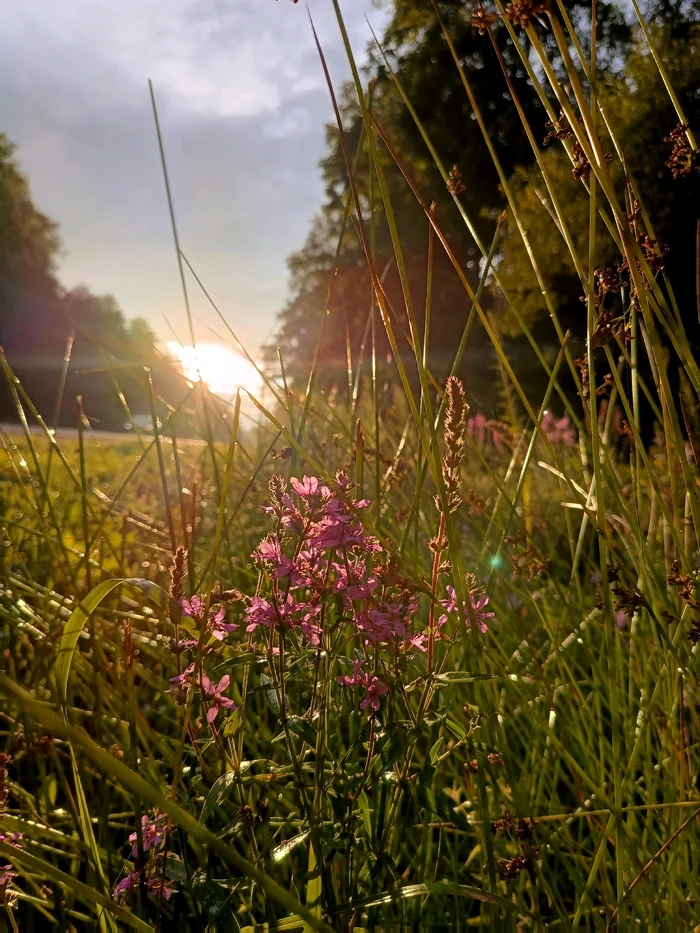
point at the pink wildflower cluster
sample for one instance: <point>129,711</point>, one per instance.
<point>153,831</point>
<point>323,576</point>
<point>485,431</point>
<point>559,430</point>
<point>153,834</point>
<point>374,688</point>
<point>154,885</point>
<point>321,550</point>
<point>7,873</point>
<point>195,608</point>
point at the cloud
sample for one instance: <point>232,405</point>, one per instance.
<point>231,59</point>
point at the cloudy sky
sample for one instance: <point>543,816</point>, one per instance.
<point>242,104</point>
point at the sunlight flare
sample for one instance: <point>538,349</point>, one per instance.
<point>221,368</point>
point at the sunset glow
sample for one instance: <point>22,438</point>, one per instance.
<point>221,368</point>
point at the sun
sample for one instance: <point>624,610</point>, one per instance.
<point>221,368</point>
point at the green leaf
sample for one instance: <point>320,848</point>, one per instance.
<point>439,888</point>
<point>270,694</point>
<point>283,850</point>
<point>212,897</point>
<point>366,812</point>
<point>436,749</point>
<point>218,793</point>
<point>175,870</point>
<point>82,612</point>
<point>461,677</point>
<point>303,728</point>
<point>399,740</point>
<point>105,920</point>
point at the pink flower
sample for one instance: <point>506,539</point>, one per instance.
<point>269,552</point>
<point>309,629</point>
<point>352,680</point>
<point>216,625</point>
<point>335,532</point>
<point>307,487</point>
<point>343,480</point>
<point>126,885</point>
<point>375,689</point>
<point>14,839</point>
<point>373,686</point>
<point>478,609</point>
<point>152,833</point>
<point>195,607</point>
<point>309,569</point>
<point>214,695</point>
<point>387,621</point>
<point>269,612</point>
<point>179,683</point>
<point>362,590</point>
<point>155,886</point>
<point>559,430</point>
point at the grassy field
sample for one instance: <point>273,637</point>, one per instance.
<point>383,665</point>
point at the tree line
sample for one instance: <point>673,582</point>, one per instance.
<point>331,306</point>
<point>66,343</point>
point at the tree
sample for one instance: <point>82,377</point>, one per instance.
<point>419,57</point>
<point>642,115</point>
<point>39,320</point>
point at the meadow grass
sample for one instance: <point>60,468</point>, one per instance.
<point>447,680</point>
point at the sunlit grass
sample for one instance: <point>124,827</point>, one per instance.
<point>538,770</point>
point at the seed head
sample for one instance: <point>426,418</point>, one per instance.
<point>456,419</point>
<point>683,157</point>
<point>177,573</point>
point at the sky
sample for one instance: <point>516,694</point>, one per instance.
<point>242,103</point>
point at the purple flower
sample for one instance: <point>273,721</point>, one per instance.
<point>153,832</point>
<point>180,681</point>
<point>269,552</point>
<point>269,612</point>
<point>217,626</point>
<point>195,607</point>
<point>126,885</point>
<point>387,621</point>
<point>352,680</point>
<point>559,430</point>
<point>214,695</point>
<point>14,839</point>
<point>337,532</point>
<point>478,606</point>
<point>158,887</point>
<point>155,886</point>
<point>373,686</point>
<point>7,875</point>
<point>308,487</point>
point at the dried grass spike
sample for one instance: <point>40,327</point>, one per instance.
<point>177,573</point>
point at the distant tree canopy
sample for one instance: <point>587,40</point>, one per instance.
<point>41,323</point>
<point>421,61</point>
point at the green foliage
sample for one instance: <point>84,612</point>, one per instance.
<point>642,116</point>
<point>336,290</point>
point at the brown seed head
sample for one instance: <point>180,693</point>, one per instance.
<point>456,418</point>
<point>177,573</point>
